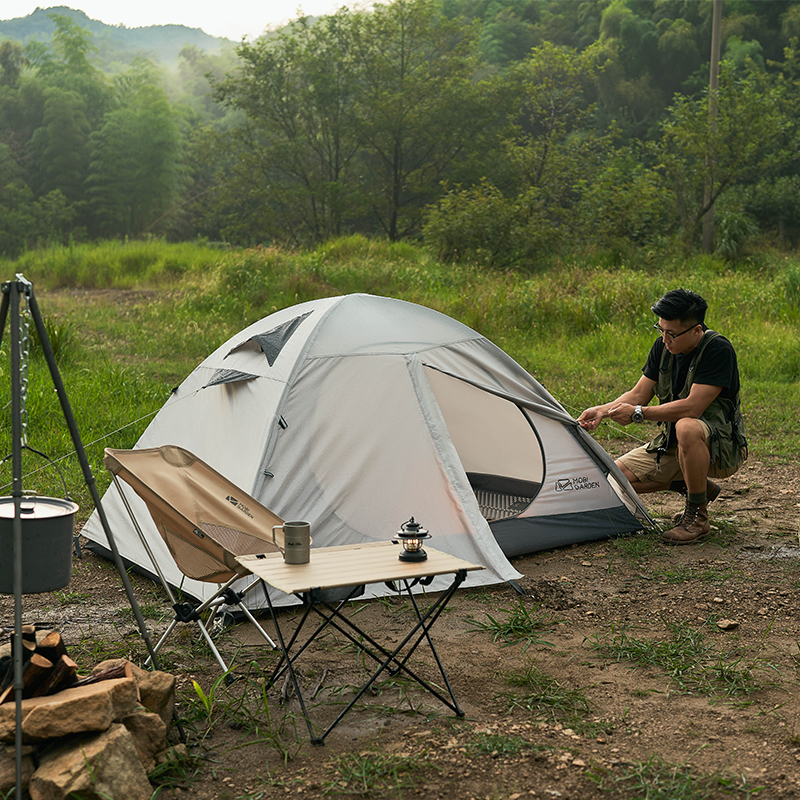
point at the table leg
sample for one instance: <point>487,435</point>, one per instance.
<point>315,740</point>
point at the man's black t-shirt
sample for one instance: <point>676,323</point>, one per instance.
<point>718,367</point>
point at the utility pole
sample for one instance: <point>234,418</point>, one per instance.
<point>713,110</point>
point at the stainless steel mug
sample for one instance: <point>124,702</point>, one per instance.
<point>296,541</point>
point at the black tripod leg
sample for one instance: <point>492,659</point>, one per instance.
<point>87,473</point>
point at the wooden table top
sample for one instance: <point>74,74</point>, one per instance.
<point>349,565</point>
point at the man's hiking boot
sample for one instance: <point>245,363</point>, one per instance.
<point>692,527</point>
<point>712,489</point>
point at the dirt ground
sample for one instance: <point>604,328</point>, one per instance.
<point>589,723</point>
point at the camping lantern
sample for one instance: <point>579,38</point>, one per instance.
<point>411,534</point>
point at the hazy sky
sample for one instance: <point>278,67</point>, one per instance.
<point>232,19</point>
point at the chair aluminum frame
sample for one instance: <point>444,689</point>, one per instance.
<point>186,612</point>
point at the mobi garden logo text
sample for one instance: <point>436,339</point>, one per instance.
<point>575,484</point>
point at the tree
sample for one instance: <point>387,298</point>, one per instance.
<point>12,61</point>
<point>58,147</point>
<point>353,122</point>
<point>530,206</point>
<point>419,112</point>
<point>294,167</point>
<point>136,157</point>
<point>746,140</point>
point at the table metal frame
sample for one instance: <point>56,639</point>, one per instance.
<point>401,579</point>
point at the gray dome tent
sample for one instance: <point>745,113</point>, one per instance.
<point>358,412</point>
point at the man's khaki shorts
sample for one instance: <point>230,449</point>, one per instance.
<point>644,466</point>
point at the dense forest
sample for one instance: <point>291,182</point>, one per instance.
<point>506,132</point>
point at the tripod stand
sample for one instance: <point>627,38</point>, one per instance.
<point>13,294</point>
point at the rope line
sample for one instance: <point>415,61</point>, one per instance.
<point>616,425</point>
<point>90,444</point>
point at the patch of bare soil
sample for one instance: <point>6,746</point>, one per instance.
<point>592,724</point>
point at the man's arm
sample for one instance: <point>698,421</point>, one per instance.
<point>640,395</point>
<point>693,406</point>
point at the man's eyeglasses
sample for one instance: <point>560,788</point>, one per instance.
<point>672,336</point>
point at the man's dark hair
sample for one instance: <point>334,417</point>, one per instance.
<point>681,304</point>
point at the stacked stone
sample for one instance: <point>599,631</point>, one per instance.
<point>96,740</point>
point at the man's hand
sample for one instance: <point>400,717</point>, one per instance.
<point>621,413</point>
<point>618,412</point>
<point>592,417</point>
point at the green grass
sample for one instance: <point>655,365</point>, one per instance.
<point>659,779</point>
<point>374,774</point>
<point>518,624</point>
<point>687,659</point>
<point>582,329</point>
<point>548,700</point>
<point>498,744</point>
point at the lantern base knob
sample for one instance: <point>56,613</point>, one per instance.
<point>413,555</point>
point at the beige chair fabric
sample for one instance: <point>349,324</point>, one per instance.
<point>206,522</point>
<point>203,518</point>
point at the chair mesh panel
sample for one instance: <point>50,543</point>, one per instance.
<point>495,506</point>
<point>195,562</point>
<point>236,541</point>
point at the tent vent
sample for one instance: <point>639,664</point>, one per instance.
<point>229,376</point>
<point>272,342</point>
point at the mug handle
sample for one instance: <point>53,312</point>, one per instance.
<point>275,528</point>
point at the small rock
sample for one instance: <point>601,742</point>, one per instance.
<point>727,624</point>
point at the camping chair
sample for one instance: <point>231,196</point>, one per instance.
<point>205,521</point>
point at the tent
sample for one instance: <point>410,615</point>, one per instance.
<point>358,412</point>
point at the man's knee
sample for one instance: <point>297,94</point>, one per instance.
<point>626,472</point>
<point>689,430</point>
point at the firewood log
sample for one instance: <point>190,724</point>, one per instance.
<point>121,669</point>
<point>52,647</point>
<point>61,676</point>
<point>36,671</point>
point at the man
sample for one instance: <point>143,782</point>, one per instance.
<point>693,372</point>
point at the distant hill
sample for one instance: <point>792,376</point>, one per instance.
<point>117,43</point>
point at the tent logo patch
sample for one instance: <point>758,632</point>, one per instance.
<point>575,484</point>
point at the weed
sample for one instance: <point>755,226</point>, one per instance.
<point>280,735</point>
<point>546,697</point>
<point>658,779</point>
<point>180,770</point>
<point>498,744</point>
<point>373,773</point>
<point>521,624</point>
<point>63,339</point>
<point>71,598</point>
<point>687,659</point>
<point>683,573</point>
<point>208,702</point>
<point>724,530</point>
<point>635,547</point>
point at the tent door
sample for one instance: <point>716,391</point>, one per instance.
<point>496,442</point>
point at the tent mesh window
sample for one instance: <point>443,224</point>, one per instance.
<point>495,505</point>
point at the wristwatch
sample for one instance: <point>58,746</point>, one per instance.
<point>638,415</point>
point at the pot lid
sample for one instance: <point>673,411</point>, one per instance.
<point>37,507</point>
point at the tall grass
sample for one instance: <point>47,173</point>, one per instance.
<point>582,328</point>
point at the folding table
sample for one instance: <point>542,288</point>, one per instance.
<point>347,569</point>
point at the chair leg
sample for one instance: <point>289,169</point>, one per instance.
<point>211,645</point>
<point>161,641</point>
<point>206,636</point>
<point>248,614</point>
